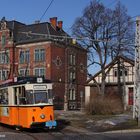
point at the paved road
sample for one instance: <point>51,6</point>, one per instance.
<point>11,134</point>
<point>60,136</point>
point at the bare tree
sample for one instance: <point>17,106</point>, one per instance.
<point>123,33</point>
<point>101,28</point>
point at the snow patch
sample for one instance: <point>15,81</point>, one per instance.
<point>110,122</point>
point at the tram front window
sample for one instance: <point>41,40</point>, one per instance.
<point>30,98</point>
<point>40,97</point>
<point>37,97</point>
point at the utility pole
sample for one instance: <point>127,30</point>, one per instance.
<point>136,106</point>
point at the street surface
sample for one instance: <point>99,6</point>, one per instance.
<point>7,133</point>
<point>74,125</point>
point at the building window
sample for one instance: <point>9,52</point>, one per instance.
<point>3,40</point>
<point>27,56</point>
<point>39,71</point>
<point>126,72</point>
<point>72,76</point>
<point>24,57</point>
<point>121,72</point>
<point>72,59</point>
<point>4,74</point>
<point>39,55</point>
<point>24,72</point>
<point>21,57</point>
<point>72,95</point>
<point>4,57</point>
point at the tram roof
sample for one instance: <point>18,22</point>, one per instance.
<point>24,80</point>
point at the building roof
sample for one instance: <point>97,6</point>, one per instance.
<point>37,31</point>
<point>111,64</point>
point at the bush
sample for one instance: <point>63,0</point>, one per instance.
<point>104,105</point>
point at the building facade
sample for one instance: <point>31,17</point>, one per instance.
<point>119,81</point>
<point>44,49</point>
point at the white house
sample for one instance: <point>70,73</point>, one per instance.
<point>119,80</point>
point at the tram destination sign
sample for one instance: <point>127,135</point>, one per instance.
<point>40,87</point>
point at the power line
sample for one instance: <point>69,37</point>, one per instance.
<point>46,10</point>
<point>53,37</point>
<point>110,4</point>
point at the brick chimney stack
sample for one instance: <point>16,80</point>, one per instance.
<point>53,21</point>
<point>60,24</point>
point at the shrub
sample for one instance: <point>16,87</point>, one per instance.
<point>104,105</point>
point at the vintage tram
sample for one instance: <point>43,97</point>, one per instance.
<point>27,102</point>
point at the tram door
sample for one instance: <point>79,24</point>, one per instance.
<point>19,99</point>
<point>16,102</point>
<point>16,94</point>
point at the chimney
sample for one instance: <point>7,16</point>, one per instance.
<point>53,21</point>
<point>37,22</point>
<point>60,24</point>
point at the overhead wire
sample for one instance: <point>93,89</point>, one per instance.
<point>46,10</point>
<point>53,36</point>
<point>110,4</point>
<point>61,36</point>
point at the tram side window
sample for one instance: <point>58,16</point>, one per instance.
<point>22,98</point>
<point>20,95</point>
<point>4,96</point>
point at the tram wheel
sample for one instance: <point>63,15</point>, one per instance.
<point>18,128</point>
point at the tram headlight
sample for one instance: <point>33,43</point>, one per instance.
<point>42,116</point>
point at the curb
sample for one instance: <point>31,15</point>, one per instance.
<point>122,131</point>
<point>85,131</point>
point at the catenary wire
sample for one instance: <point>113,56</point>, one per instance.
<point>46,10</point>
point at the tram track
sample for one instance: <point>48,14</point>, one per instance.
<point>6,130</point>
<point>30,134</point>
<point>39,134</point>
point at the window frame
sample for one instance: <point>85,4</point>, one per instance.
<point>39,71</point>
<point>3,40</point>
<point>24,70</point>
<point>39,55</point>
<point>24,56</point>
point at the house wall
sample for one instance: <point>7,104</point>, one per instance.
<point>112,78</point>
<point>7,47</point>
<point>126,79</point>
<point>111,90</point>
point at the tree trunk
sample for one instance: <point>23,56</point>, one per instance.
<point>103,82</point>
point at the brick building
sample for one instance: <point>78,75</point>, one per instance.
<point>44,49</point>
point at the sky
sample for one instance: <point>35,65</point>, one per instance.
<point>28,11</point>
